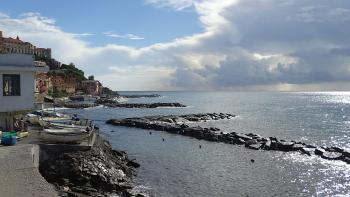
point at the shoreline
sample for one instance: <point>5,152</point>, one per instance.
<point>100,171</point>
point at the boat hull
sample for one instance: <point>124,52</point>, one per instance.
<point>64,135</point>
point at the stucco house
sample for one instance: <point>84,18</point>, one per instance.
<point>17,86</point>
<point>92,87</point>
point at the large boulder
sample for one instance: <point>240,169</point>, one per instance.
<point>346,152</point>
<point>251,142</point>
<point>267,144</point>
<point>285,146</point>
<point>196,132</point>
<point>346,159</point>
<point>297,147</point>
<point>332,155</point>
<point>319,151</point>
<point>307,151</point>
<point>243,136</point>
<point>256,146</point>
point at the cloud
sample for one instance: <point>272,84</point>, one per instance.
<point>127,36</point>
<point>245,45</point>
<point>82,34</point>
<point>3,15</point>
<point>175,4</point>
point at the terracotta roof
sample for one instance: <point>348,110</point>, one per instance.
<point>13,40</point>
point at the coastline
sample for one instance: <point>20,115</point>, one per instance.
<point>100,171</point>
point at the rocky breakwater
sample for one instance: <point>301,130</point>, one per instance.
<point>114,104</point>
<point>177,125</point>
<point>76,105</point>
<point>99,171</point>
<point>141,96</point>
<point>143,105</point>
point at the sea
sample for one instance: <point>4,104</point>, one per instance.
<point>178,167</point>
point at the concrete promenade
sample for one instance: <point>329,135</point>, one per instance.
<point>19,173</point>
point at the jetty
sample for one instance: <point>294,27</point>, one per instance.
<point>179,125</point>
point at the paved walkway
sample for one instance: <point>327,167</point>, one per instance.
<point>19,173</point>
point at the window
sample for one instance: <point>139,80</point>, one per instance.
<point>11,85</point>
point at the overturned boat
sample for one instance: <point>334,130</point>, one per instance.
<point>65,135</point>
<point>66,132</point>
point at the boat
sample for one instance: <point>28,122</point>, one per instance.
<point>80,124</point>
<point>34,117</point>
<point>65,135</point>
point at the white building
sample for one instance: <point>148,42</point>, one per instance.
<point>17,86</point>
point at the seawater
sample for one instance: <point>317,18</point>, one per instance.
<point>177,167</point>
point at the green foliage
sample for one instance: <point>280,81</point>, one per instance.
<point>91,77</point>
<point>58,94</point>
<point>68,71</point>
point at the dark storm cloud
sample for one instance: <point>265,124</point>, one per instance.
<point>299,42</point>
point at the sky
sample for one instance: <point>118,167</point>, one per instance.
<point>238,45</point>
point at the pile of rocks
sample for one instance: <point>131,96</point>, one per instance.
<point>75,105</point>
<point>141,96</point>
<point>142,105</point>
<point>177,125</point>
<point>171,120</point>
<point>100,171</point>
<point>102,101</point>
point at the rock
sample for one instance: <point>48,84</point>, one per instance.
<point>346,159</point>
<point>79,105</point>
<point>332,155</point>
<point>334,149</point>
<point>243,136</point>
<point>297,147</point>
<point>196,132</point>
<point>142,105</point>
<point>254,146</point>
<point>133,164</point>
<point>285,146</point>
<point>177,125</point>
<point>105,101</point>
<point>141,96</point>
<point>267,144</point>
<point>346,152</point>
<point>90,172</point>
<point>274,145</point>
<point>308,151</point>
<point>251,142</point>
<point>239,141</point>
<point>319,151</point>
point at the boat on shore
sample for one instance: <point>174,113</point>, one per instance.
<point>66,132</point>
<point>34,117</point>
<point>65,135</point>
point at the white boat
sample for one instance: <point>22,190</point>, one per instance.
<point>81,124</point>
<point>35,118</point>
<point>66,135</point>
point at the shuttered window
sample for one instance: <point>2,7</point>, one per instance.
<point>11,85</point>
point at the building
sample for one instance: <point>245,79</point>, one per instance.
<point>42,53</point>
<point>91,87</point>
<point>59,83</point>
<point>16,45</point>
<point>17,86</point>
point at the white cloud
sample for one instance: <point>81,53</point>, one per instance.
<point>175,4</point>
<point>3,15</point>
<point>127,36</point>
<point>82,34</point>
<point>246,44</point>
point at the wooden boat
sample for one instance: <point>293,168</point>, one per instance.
<point>66,135</point>
<point>80,124</point>
<point>34,118</point>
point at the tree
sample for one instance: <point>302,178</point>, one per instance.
<point>91,77</point>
